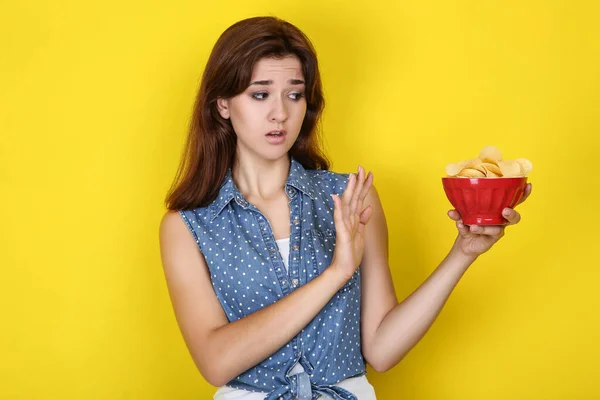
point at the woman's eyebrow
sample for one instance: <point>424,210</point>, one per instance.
<point>270,82</point>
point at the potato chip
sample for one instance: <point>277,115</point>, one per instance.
<point>526,165</point>
<point>489,164</point>
<point>510,168</point>
<point>490,174</point>
<point>475,164</point>
<point>490,154</point>
<point>492,169</point>
<point>454,169</point>
<point>471,173</point>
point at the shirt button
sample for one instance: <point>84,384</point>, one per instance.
<point>296,247</point>
<point>296,221</point>
<point>295,282</point>
<point>272,249</point>
<point>284,282</point>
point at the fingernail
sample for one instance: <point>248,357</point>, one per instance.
<point>506,212</point>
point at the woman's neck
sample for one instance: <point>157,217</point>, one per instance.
<point>261,179</point>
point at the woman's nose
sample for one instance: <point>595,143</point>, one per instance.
<point>279,112</point>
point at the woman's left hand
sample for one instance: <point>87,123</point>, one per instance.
<point>475,240</point>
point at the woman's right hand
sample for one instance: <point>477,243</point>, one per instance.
<point>350,220</point>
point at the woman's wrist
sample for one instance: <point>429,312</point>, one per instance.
<point>335,274</point>
<point>458,257</point>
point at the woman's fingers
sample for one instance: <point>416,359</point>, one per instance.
<point>365,217</point>
<point>454,215</point>
<point>462,228</point>
<point>347,196</point>
<point>512,216</point>
<point>363,191</point>
<point>526,193</point>
<point>338,216</point>
<point>493,230</point>
<point>366,187</point>
<point>351,203</point>
<point>357,190</point>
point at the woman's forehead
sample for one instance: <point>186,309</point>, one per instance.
<point>274,68</point>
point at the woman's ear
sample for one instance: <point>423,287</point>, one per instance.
<point>223,107</point>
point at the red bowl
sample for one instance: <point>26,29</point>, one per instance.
<point>480,201</point>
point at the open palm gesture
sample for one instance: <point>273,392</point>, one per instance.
<point>350,220</point>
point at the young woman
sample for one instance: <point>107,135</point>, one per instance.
<point>276,266</point>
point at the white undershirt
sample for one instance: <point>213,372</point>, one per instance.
<point>359,386</point>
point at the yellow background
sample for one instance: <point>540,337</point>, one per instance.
<point>94,103</point>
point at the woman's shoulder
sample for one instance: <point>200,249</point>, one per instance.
<point>174,224</point>
<point>196,218</point>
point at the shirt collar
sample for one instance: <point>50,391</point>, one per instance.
<point>298,178</point>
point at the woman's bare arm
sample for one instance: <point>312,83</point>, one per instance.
<point>223,350</point>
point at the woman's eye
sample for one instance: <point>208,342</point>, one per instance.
<point>264,95</point>
<point>260,95</point>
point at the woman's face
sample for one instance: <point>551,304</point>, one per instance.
<point>273,101</point>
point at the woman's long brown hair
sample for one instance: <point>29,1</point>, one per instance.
<point>210,146</point>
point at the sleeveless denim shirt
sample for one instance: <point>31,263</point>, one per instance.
<point>247,274</point>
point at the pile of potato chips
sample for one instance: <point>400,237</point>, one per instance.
<point>489,164</point>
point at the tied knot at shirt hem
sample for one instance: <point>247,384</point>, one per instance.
<point>301,388</point>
